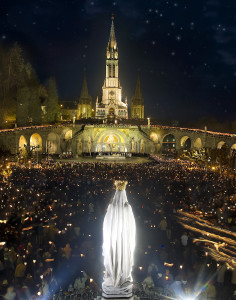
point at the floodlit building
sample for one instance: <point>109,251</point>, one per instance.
<point>85,102</point>
<point>111,104</point>
<point>137,103</point>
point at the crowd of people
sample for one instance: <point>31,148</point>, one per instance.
<point>51,227</point>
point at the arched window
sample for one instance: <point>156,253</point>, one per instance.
<point>185,143</point>
<point>35,142</point>
<point>169,144</point>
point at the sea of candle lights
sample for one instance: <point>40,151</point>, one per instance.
<point>219,243</point>
<point>69,200</point>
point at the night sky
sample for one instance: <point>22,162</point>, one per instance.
<point>185,50</point>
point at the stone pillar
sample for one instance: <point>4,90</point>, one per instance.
<point>177,145</point>
<point>149,123</point>
<point>44,144</point>
<point>74,147</point>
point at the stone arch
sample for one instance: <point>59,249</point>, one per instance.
<point>233,147</point>
<point>168,143</point>
<point>66,134</point>
<point>36,142</point>
<point>233,151</point>
<point>111,111</point>
<point>65,138</point>
<point>52,144</point>
<point>22,144</point>
<point>111,141</point>
<point>185,142</point>
<point>154,137</point>
<point>221,144</point>
<point>198,143</point>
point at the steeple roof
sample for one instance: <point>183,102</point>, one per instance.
<point>84,95</point>
<point>112,40</point>
<point>84,91</point>
<point>138,91</point>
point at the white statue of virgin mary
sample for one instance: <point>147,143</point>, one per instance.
<point>118,245</point>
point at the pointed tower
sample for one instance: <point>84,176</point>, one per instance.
<point>137,103</point>
<point>85,102</point>
<point>111,103</point>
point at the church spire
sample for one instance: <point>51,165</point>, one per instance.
<point>137,103</point>
<point>138,91</point>
<point>85,102</point>
<point>112,51</point>
<point>112,40</point>
<point>84,91</point>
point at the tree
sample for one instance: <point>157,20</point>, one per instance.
<point>3,65</point>
<point>52,107</point>
<point>12,78</point>
<point>35,111</point>
<point>22,110</point>
<point>16,77</point>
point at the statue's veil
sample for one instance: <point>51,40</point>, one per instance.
<point>118,244</point>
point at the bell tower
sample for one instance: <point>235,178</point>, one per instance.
<point>111,103</point>
<point>137,102</point>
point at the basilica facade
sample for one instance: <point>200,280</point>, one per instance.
<point>111,104</point>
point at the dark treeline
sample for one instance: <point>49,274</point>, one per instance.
<point>23,99</point>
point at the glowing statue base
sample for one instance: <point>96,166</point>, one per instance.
<point>124,291</point>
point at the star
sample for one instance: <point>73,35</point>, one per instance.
<point>4,37</point>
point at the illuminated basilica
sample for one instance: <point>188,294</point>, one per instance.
<point>108,127</point>
<point>111,105</point>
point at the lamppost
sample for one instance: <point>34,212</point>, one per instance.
<point>148,123</point>
<point>36,147</point>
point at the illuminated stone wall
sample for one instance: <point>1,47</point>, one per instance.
<point>115,138</point>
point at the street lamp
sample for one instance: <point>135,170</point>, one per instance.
<point>36,147</point>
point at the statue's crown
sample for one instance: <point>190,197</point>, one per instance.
<point>120,185</point>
